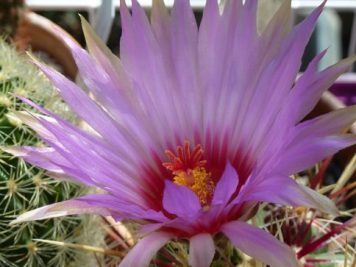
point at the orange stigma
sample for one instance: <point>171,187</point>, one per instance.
<point>189,170</point>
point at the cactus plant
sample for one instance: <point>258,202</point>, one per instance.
<point>22,186</point>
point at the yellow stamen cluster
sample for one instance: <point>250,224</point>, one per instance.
<point>199,181</point>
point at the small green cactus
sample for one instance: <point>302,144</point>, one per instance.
<point>24,187</point>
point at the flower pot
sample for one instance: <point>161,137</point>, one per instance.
<point>40,34</point>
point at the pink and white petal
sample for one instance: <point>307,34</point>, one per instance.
<point>126,111</point>
<point>101,204</point>
<point>303,97</point>
<point>295,41</point>
<point>49,159</point>
<point>30,119</point>
<point>180,200</point>
<point>57,124</point>
<point>96,46</point>
<point>309,151</point>
<point>273,84</point>
<point>99,50</point>
<point>122,209</point>
<point>259,244</point>
<point>214,55</point>
<point>279,25</point>
<point>70,142</point>
<point>65,208</point>
<point>207,33</point>
<point>184,41</point>
<point>201,250</point>
<point>145,60</point>
<point>101,80</point>
<point>309,88</point>
<point>280,189</point>
<point>160,23</point>
<point>328,124</point>
<point>86,108</point>
<point>234,78</point>
<point>142,254</point>
<point>52,161</point>
<point>226,186</point>
<point>40,156</point>
<point>268,143</point>
<point>73,146</point>
<point>118,99</point>
<point>210,51</point>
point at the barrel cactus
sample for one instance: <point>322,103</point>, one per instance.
<point>22,186</point>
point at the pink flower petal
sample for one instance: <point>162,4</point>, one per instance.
<point>259,244</point>
<point>116,97</point>
<point>141,254</point>
<point>309,88</point>
<point>331,123</point>
<point>284,190</point>
<point>309,151</point>
<point>226,186</point>
<point>44,157</point>
<point>65,208</point>
<point>102,204</point>
<point>180,200</point>
<point>201,250</point>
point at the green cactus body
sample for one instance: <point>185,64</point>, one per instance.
<point>24,187</point>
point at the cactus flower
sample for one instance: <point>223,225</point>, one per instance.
<point>192,127</point>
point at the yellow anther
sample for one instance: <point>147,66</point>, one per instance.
<point>188,169</point>
<point>199,181</point>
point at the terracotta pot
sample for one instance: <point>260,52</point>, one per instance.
<point>39,34</point>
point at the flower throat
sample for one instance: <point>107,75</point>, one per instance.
<point>189,170</point>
